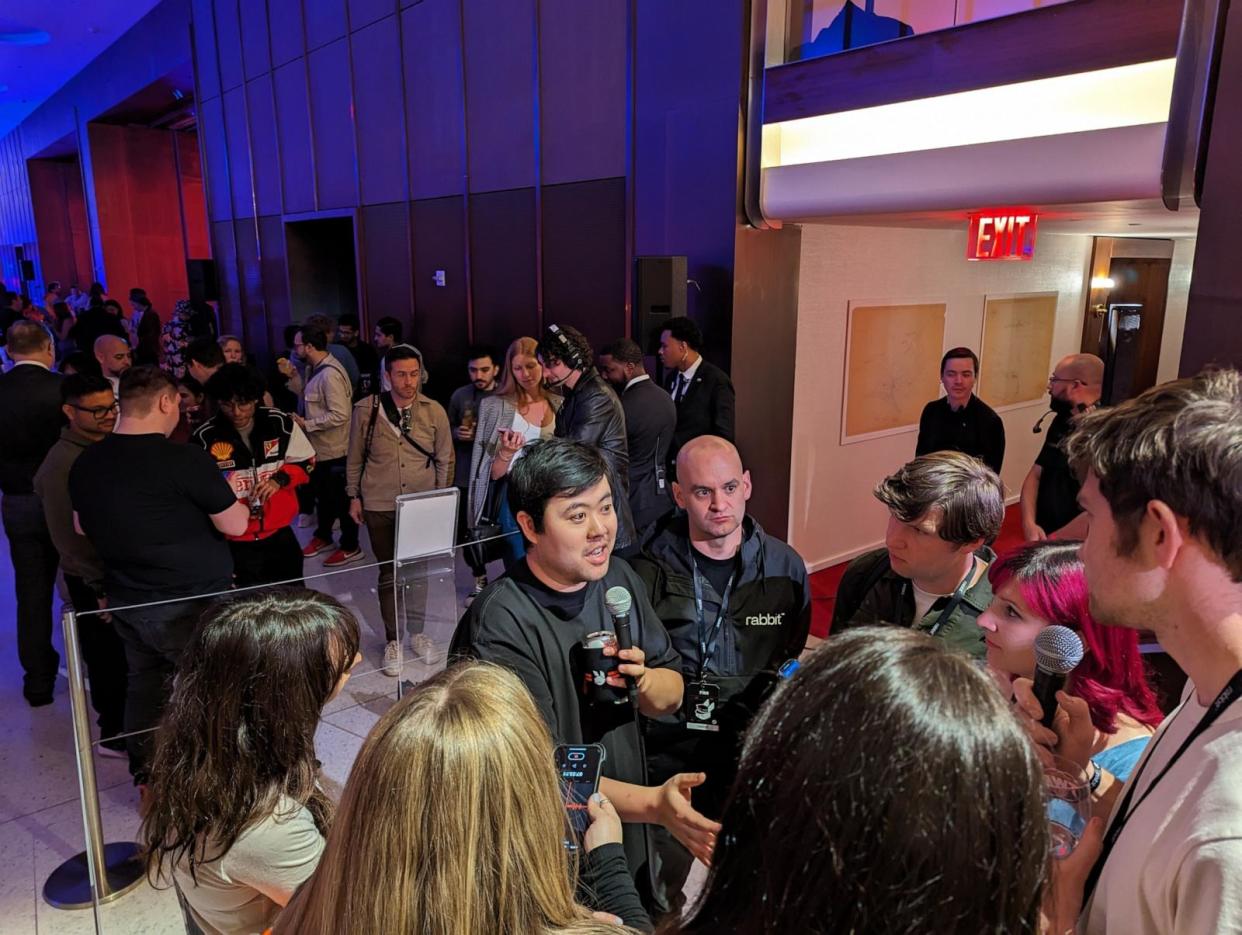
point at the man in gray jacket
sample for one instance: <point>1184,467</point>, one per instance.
<point>325,402</point>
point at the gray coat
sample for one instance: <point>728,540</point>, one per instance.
<point>495,413</point>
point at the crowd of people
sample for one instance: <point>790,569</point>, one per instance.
<point>890,778</point>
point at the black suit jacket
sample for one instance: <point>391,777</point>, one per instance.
<point>592,413</point>
<point>650,421</point>
<point>30,423</point>
<point>706,409</point>
<point>149,328</point>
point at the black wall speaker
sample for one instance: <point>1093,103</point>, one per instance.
<point>659,294</point>
<point>201,275</point>
<point>28,271</point>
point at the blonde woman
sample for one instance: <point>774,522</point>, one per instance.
<point>452,824</point>
<point>520,411</point>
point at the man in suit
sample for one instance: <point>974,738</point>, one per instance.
<point>650,420</point>
<point>702,391</point>
<point>30,423</point>
<point>145,327</point>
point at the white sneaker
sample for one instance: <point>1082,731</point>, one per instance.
<point>422,646</point>
<point>392,659</point>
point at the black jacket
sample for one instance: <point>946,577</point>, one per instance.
<point>650,421</point>
<point>707,407</point>
<point>593,414</point>
<point>93,324</point>
<point>769,616</point>
<point>30,423</point>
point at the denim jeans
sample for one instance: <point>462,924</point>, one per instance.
<point>34,579</point>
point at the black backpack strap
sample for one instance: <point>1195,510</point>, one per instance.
<point>390,410</point>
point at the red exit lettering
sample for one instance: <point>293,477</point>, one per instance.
<point>1002,235</point>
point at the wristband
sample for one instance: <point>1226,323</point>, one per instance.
<point>1093,782</point>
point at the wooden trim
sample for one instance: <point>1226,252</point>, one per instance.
<point>1086,35</point>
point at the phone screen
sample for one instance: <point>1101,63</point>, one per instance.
<point>579,766</point>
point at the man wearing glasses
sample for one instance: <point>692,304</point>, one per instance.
<point>1050,491</point>
<point>90,406</point>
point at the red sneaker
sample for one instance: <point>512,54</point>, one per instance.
<point>341,557</point>
<point>317,546</point>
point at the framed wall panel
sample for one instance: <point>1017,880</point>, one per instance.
<point>387,262</point>
<point>237,139</point>
<point>892,362</point>
<point>203,18</point>
<point>294,135</point>
<point>254,38</point>
<point>582,105</point>
<point>433,92</point>
<point>211,131</point>
<point>1015,355</point>
<point>228,43</point>
<point>250,288</point>
<point>500,115</point>
<point>439,325</point>
<point>332,126</point>
<point>364,12</point>
<point>502,265</point>
<point>584,257</point>
<point>377,92</point>
<point>263,149</point>
<point>325,21</point>
<point>285,20</point>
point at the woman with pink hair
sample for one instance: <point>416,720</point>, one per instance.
<point>1040,584</point>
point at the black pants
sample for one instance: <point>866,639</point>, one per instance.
<point>104,656</point>
<point>382,528</point>
<point>463,523</point>
<point>328,479</point>
<point>154,638</point>
<point>266,561</point>
<point>34,578</point>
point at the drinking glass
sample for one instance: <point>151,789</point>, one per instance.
<point>1067,802</point>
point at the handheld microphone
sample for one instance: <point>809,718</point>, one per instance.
<point>1039,426</point>
<point>1058,650</point>
<point>618,602</point>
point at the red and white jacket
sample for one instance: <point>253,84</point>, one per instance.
<point>279,446</point>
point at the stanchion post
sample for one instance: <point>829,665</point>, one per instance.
<point>102,872</point>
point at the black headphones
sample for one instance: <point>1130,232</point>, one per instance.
<point>569,352</point>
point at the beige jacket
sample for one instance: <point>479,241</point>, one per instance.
<point>326,402</point>
<point>395,467</point>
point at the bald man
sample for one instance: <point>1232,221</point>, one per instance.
<point>1050,491</point>
<point>736,604</point>
<point>115,357</point>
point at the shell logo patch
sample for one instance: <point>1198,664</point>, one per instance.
<point>222,451</point>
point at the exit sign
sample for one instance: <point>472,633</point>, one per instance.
<point>1007,234</point>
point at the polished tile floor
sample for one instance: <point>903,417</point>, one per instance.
<point>40,814</point>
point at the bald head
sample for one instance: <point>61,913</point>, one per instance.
<point>712,487</point>
<point>1085,368</point>
<point>113,355</point>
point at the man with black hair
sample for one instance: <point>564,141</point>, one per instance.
<point>30,421</point>
<point>387,335</point>
<point>365,356</point>
<point>89,404</point>
<point>702,391</point>
<point>145,328</point>
<point>960,420</point>
<point>326,400</point>
<point>737,607</point>
<point>591,412</point>
<point>944,510</point>
<point>154,511</point>
<point>264,456</point>
<point>399,443</point>
<point>650,421</point>
<point>534,620</point>
<point>203,358</point>
<point>483,366</point>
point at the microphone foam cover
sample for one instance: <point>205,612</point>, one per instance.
<point>1058,649</point>
<point>618,601</point>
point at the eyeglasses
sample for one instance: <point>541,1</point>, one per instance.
<point>1055,379</point>
<point>99,412</point>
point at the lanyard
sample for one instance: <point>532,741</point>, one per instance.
<point>708,649</point>
<point>1227,696</point>
<point>957,597</point>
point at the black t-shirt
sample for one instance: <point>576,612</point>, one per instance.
<point>1057,501</point>
<point>519,625</point>
<point>146,503</point>
<point>716,570</point>
<point>975,429</point>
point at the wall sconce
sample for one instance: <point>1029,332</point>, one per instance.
<point>1103,282</point>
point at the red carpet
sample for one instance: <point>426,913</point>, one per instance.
<point>824,583</point>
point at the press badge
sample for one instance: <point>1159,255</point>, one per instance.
<point>702,700</point>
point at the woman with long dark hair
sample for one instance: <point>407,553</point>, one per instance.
<point>236,817</point>
<point>885,788</point>
<point>1040,584</point>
